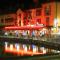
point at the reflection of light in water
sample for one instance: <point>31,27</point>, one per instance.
<point>17,47</point>
<point>25,47</point>
<point>43,49</point>
<point>19,51</point>
<point>29,47</point>
<point>11,46</point>
<point>34,48</point>
<point>6,45</point>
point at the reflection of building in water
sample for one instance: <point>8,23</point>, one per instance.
<point>23,48</point>
<point>26,49</point>
<point>35,48</point>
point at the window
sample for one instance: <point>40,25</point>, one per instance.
<point>48,10</point>
<point>25,16</point>
<point>39,21</point>
<point>20,15</point>
<point>25,22</point>
<point>47,21</point>
<point>29,15</point>
<point>38,12</point>
<point>9,19</point>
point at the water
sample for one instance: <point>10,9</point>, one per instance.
<point>17,49</point>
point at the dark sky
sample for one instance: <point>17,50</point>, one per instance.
<point>12,5</point>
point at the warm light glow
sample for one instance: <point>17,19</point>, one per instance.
<point>55,22</point>
<point>34,48</point>
<point>17,47</point>
<point>25,48</point>
<point>24,51</point>
<point>23,28</point>
<point>44,28</point>
<point>43,50</point>
<point>6,45</point>
<point>11,46</point>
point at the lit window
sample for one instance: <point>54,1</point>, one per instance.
<point>25,16</point>
<point>39,21</point>
<point>9,20</point>
<point>20,15</point>
<point>38,12</point>
<point>47,21</point>
<point>29,15</point>
<point>48,10</point>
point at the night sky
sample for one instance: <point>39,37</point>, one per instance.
<point>12,5</point>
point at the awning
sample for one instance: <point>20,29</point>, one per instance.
<point>23,28</point>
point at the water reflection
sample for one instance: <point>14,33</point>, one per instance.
<point>24,49</point>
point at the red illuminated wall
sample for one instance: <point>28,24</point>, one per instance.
<point>51,16</point>
<point>38,15</point>
<point>34,16</point>
<point>8,19</point>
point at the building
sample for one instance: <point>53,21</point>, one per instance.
<point>47,15</point>
<point>8,19</point>
<point>43,16</point>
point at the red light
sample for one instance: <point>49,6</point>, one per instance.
<point>23,28</point>
<point>22,52</point>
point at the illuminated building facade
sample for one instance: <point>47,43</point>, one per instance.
<point>45,15</point>
<point>8,19</point>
